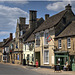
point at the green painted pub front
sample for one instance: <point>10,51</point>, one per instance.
<point>61,57</point>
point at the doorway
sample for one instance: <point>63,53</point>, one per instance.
<point>37,55</point>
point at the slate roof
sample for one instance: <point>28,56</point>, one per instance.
<point>30,31</point>
<point>1,44</point>
<point>6,45</point>
<point>30,38</point>
<point>51,21</point>
<point>68,31</point>
<point>7,42</point>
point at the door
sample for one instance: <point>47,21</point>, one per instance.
<point>38,57</point>
<point>72,63</point>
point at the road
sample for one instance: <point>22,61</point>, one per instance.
<point>6,69</point>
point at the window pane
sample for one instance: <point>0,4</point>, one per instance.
<point>46,56</point>
<point>59,43</point>
<point>46,35</point>
<point>68,43</point>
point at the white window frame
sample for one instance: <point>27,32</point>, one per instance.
<point>59,44</point>
<point>44,57</point>
<point>68,42</point>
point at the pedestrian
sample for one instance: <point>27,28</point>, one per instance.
<point>36,63</point>
<point>28,62</point>
<point>65,67</point>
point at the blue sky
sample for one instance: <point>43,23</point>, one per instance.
<point>10,11</point>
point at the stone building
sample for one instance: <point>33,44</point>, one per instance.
<point>65,46</point>
<point>18,48</point>
<point>28,50</point>
<point>11,49</point>
<point>1,48</point>
<point>47,31</point>
<point>28,37</point>
<point>6,50</point>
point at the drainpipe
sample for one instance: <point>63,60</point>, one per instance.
<point>34,51</point>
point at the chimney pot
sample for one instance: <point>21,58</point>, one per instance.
<point>11,36</point>
<point>32,18</point>
<point>22,20</point>
<point>46,16</point>
<point>68,7</point>
<point>4,40</point>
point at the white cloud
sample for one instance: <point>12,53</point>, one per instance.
<point>8,19</point>
<point>57,6</point>
<point>4,34</point>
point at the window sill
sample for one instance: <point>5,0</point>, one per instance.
<point>46,63</point>
<point>46,44</point>
<point>69,47</point>
<point>59,47</point>
<point>37,46</point>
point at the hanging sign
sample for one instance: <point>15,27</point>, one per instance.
<point>49,38</point>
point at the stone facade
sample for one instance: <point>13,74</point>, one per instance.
<point>1,52</point>
<point>65,46</point>
<point>42,47</point>
<point>29,38</point>
<point>6,50</point>
<point>18,48</point>
<point>54,25</point>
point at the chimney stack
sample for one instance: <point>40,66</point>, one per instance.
<point>4,40</point>
<point>46,16</point>
<point>22,20</point>
<point>11,36</point>
<point>68,7</point>
<point>32,18</point>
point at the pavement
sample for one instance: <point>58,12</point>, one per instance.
<point>42,71</point>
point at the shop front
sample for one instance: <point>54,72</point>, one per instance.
<point>72,60</point>
<point>61,57</point>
